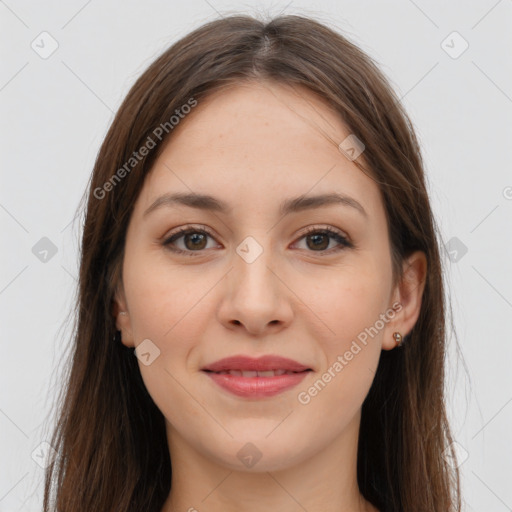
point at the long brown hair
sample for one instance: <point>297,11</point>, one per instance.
<point>110,440</point>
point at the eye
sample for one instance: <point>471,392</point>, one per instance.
<point>319,239</point>
<point>195,240</point>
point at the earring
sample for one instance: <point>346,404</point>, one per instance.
<point>123,313</point>
<point>398,338</point>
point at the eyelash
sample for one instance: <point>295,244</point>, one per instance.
<point>334,235</point>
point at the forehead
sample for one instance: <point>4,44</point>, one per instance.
<point>249,116</point>
<point>259,141</point>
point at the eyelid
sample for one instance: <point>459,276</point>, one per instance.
<point>184,230</point>
<point>189,227</point>
<point>319,227</point>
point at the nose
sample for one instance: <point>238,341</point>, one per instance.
<point>256,298</point>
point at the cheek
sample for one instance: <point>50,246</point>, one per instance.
<point>351,306</point>
<point>349,301</point>
<point>164,305</point>
<point>170,307</point>
<point>161,296</point>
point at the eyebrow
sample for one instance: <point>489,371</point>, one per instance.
<point>293,205</point>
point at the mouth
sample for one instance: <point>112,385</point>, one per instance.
<point>253,373</point>
<point>256,378</point>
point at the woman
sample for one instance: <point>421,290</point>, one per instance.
<point>259,235</point>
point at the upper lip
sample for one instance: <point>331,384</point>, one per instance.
<point>260,364</point>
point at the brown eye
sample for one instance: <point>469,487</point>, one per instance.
<point>318,241</point>
<point>195,240</point>
<point>191,240</point>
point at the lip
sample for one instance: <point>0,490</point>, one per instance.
<point>256,387</point>
<point>261,364</point>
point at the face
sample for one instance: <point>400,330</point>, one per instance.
<point>311,283</point>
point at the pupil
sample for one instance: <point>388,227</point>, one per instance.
<point>196,237</point>
<point>316,238</point>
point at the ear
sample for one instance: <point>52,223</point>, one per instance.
<point>406,299</point>
<point>122,316</point>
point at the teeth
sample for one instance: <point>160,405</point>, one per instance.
<point>252,373</point>
<point>268,373</point>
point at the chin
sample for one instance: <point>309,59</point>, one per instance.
<point>259,454</point>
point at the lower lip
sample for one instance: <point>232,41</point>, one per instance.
<point>255,387</point>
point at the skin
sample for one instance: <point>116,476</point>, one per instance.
<point>253,146</point>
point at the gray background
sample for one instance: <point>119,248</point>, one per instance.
<point>55,112</point>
